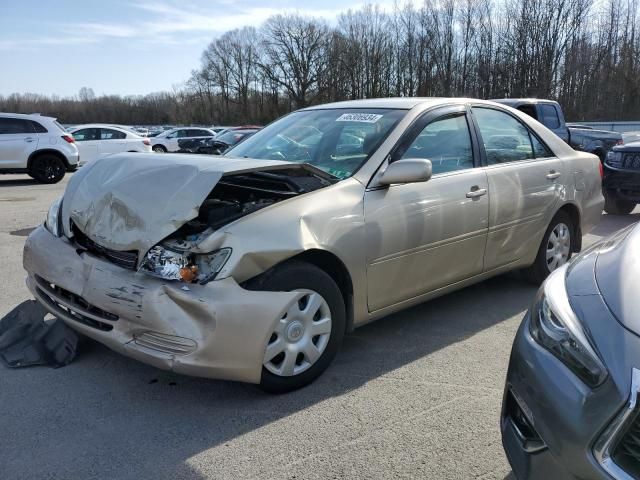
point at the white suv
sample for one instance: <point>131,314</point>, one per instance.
<point>168,141</point>
<point>36,145</point>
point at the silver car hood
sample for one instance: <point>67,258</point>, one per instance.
<point>132,201</point>
<point>617,274</point>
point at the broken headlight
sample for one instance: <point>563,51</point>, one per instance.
<point>54,218</point>
<point>555,326</point>
<point>184,266</point>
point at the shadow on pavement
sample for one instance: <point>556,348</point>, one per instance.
<point>106,416</point>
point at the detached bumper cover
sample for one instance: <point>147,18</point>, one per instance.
<point>218,330</point>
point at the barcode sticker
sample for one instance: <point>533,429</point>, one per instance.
<point>359,117</point>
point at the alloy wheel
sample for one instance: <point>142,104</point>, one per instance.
<point>300,336</point>
<point>558,246</point>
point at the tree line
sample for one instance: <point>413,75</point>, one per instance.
<point>583,53</point>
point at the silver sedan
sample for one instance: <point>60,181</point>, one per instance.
<point>254,265</point>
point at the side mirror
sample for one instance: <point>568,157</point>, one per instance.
<point>409,170</point>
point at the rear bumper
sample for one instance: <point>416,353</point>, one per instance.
<point>218,330</point>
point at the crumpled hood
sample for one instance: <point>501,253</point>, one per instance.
<point>618,277</point>
<point>132,201</point>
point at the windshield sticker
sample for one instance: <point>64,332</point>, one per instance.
<point>359,117</point>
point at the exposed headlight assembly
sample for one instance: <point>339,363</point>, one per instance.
<point>555,326</point>
<point>184,266</point>
<point>53,222</point>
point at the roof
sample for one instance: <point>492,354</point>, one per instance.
<point>522,101</point>
<point>30,116</point>
<point>103,125</point>
<point>399,103</point>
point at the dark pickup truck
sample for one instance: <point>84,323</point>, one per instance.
<point>549,113</point>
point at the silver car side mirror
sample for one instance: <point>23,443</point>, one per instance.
<point>409,170</point>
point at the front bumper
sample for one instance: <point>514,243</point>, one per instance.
<point>622,185</point>
<point>566,415</point>
<point>218,330</point>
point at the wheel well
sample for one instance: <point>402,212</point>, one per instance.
<point>49,151</point>
<point>333,267</point>
<point>573,212</point>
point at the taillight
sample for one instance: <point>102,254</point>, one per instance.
<point>601,169</point>
<point>146,141</point>
<point>68,138</point>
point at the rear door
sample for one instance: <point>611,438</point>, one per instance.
<point>87,141</point>
<point>525,181</point>
<point>424,236</point>
<point>112,141</point>
<point>18,140</point>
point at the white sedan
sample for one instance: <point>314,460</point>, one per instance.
<point>168,141</point>
<point>97,140</point>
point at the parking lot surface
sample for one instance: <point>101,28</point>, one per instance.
<point>414,395</point>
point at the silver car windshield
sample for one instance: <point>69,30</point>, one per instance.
<point>337,141</point>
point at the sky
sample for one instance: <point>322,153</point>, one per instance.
<point>123,47</point>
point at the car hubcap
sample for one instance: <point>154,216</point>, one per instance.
<point>558,246</point>
<point>301,335</point>
<point>49,170</point>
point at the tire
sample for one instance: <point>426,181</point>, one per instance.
<point>560,224</point>
<point>317,287</point>
<point>47,168</point>
<point>614,206</point>
<point>159,149</point>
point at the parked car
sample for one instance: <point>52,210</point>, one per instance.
<point>550,114</point>
<point>570,407</point>
<point>97,140</point>
<point>167,141</point>
<point>252,266</point>
<point>621,182</point>
<point>36,145</point>
<point>220,144</point>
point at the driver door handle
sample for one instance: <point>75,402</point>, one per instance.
<point>552,175</point>
<point>476,192</point>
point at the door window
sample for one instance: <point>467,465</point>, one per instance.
<point>505,138</point>
<point>10,126</point>
<point>446,142</point>
<point>38,128</point>
<point>86,134</point>
<point>549,116</point>
<point>108,134</point>
<point>540,150</point>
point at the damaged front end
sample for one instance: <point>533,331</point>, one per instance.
<point>178,256</point>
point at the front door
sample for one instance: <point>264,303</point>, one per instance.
<point>424,236</point>
<point>525,180</point>
<point>87,141</point>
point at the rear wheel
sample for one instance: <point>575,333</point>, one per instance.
<point>159,149</point>
<point>307,337</point>
<point>47,169</point>
<point>615,206</point>
<point>555,249</point>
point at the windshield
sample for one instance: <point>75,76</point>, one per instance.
<point>231,138</point>
<point>337,141</point>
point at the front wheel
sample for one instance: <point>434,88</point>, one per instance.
<point>614,206</point>
<point>309,333</point>
<point>555,249</point>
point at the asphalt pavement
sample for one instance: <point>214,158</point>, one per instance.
<point>414,395</point>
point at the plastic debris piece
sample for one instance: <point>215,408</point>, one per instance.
<point>185,288</point>
<point>27,339</point>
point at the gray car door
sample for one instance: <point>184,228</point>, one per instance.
<point>423,236</point>
<point>525,180</point>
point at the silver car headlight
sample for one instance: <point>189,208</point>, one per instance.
<point>184,266</point>
<point>555,326</point>
<point>54,217</point>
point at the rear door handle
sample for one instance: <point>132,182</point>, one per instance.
<point>29,139</point>
<point>552,175</point>
<point>476,192</point>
